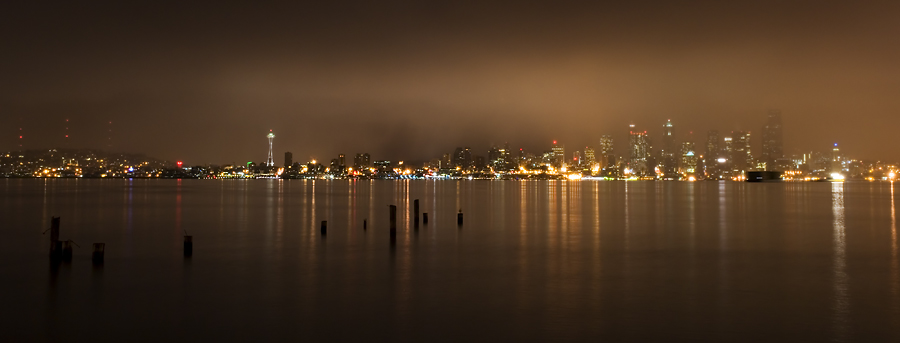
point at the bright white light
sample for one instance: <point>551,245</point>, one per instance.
<point>691,178</point>
<point>722,160</point>
<point>837,176</point>
<point>892,175</point>
<point>574,176</point>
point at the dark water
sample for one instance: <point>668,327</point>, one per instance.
<point>534,261</point>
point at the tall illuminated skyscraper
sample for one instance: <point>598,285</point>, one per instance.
<point>640,152</point>
<point>607,157</point>
<point>836,166</point>
<point>559,154</point>
<point>589,157</point>
<point>740,157</point>
<point>668,152</point>
<point>688,159</point>
<point>271,160</point>
<point>772,140</point>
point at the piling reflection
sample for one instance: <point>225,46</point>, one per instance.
<point>841,305</point>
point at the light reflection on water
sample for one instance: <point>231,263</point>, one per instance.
<point>534,260</point>
<point>841,279</point>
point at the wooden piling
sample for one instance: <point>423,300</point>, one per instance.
<point>393,209</point>
<point>459,218</point>
<point>425,218</point>
<point>364,224</point>
<point>324,227</point>
<point>188,246</point>
<point>416,213</point>
<point>97,256</point>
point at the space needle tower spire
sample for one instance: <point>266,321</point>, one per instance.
<point>270,161</point>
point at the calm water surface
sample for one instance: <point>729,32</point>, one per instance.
<point>534,261</point>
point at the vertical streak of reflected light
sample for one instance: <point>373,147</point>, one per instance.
<point>895,264</point>
<point>312,211</point>
<point>692,220</point>
<point>841,305</point>
<point>596,209</point>
<point>627,221</point>
<point>129,222</point>
<point>724,287</point>
<point>552,215</point>
<point>564,209</point>
<point>270,211</point>
<point>279,221</point>
<point>178,230</point>
<point>351,202</point>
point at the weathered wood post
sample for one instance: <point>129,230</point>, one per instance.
<point>188,246</point>
<point>324,227</point>
<point>364,224</point>
<point>416,213</point>
<point>425,218</point>
<point>393,221</point>
<point>459,218</point>
<point>97,256</point>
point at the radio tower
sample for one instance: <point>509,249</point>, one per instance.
<point>271,161</point>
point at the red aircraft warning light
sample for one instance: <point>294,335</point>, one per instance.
<point>179,164</point>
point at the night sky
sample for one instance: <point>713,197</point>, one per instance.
<point>205,83</point>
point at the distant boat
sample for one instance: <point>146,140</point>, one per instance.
<point>764,176</point>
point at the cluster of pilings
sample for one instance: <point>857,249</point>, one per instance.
<point>393,220</point>
<point>61,251</point>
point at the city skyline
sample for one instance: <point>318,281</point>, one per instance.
<point>729,156</point>
<point>333,78</point>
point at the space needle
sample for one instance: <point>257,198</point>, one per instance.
<point>270,161</point>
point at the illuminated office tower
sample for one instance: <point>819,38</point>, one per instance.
<point>640,152</point>
<point>668,152</point>
<point>559,155</point>
<point>836,166</point>
<point>270,161</point>
<point>712,144</point>
<point>711,162</point>
<point>361,161</point>
<point>445,162</point>
<point>288,159</point>
<point>607,158</point>
<point>495,158</point>
<point>341,160</point>
<point>772,140</point>
<point>739,157</point>
<point>589,157</point>
<point>462,158</point>
<point>576,158</point>
<point>688,159</point>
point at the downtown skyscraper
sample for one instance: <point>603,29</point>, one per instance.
<point>772,140</point>
<point>640,153</point>
<point>669,153</point>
